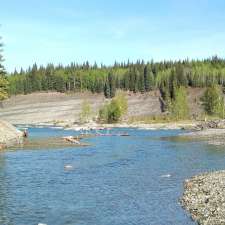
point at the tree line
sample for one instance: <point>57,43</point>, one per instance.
<point>136,77</point>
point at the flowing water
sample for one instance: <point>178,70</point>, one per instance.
<point>116,181</point>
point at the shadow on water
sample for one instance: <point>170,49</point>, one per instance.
<point>210,143</point>
<point>179,138</point>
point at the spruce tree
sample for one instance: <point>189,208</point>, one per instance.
<point>126,81</point>
<point>148,79</point>
<point>136,75</point>
<point>141,83</point>
<point>180,76</point>
<point>132,79</point>
<point>112,84</point>
<point>107,89</point>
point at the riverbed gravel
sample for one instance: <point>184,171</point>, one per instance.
<point>204,198</point>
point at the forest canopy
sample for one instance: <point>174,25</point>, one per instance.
<point>136,77</point>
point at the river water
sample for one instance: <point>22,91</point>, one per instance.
<point>116,181</point>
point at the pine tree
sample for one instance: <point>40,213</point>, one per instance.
<point>4,85</point>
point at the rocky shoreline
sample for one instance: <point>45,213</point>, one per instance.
<point>211,132</point>
<point>214,137</point>
<point>68,125</point>
<point>204,198</point>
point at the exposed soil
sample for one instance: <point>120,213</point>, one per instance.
<point>48,107</point>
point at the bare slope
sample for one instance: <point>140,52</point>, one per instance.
<point>48,107</point>
<point>193,97</point>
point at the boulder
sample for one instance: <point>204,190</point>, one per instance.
<point>9,135</point>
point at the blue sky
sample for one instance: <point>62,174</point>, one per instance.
<point>104,31</point>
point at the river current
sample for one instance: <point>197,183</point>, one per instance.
<point>117,180</point>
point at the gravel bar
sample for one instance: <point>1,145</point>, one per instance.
<point>204,198</point>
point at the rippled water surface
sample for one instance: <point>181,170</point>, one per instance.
<point>116,181</point>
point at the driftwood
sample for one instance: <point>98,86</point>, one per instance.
<point>72,139</point>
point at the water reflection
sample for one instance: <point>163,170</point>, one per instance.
<point>4,219</point>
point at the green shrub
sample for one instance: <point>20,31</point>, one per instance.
<point>103,113</point>
<point>122,102</point>
<point>86,112</point>
<point>113,111</point>
<point>179,108</point>
<point>213,101</point>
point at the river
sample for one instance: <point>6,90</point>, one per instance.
<point>116,181</point>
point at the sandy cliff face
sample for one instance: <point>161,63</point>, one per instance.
<point>9,135</point>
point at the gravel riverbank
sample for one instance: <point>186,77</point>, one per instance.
<point>98,126</point>
<point>210,136</point>
<point>204,198</point>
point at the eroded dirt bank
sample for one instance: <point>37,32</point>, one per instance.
<point>53,106</point>
<point>48,107</point>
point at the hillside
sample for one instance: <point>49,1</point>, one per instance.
<point>48,107</point>
<point>53,106</point>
